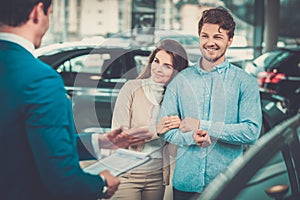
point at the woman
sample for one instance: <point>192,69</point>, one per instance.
<point>138,105</point>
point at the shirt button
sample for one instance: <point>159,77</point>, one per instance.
<point>205,114</point>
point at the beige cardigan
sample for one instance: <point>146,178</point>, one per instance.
<point>134,109</point>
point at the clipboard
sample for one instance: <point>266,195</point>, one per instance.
<point>119,162</point>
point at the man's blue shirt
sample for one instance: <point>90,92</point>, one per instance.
<point>227,103</point>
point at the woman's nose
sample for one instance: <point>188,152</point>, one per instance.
<point>159,67</point>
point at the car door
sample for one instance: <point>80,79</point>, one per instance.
<point>273,161</point>
<point>93,80</point>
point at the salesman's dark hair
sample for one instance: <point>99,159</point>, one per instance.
<point>16,12</point>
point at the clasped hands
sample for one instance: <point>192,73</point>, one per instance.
<point>201,137</point>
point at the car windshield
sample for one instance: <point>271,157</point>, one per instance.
<point>269,58</point>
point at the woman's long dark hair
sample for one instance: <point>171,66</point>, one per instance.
<point>175,50</point>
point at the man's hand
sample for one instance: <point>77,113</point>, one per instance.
<point>123,138</point>
<point>189,124</point>
<point>167,123</point>
<point>201,138</point>
<point>112,183</point>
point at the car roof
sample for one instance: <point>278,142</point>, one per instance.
<point>70,46</point>
<point>291,49</point>
<point>173,34</point>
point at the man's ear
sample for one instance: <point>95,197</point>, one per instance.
<point>230,41</point>
<point>37,10</point>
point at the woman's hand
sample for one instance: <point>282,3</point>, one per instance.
<point>123,138</point>
<point>189,124</point>
<point>167,123</point>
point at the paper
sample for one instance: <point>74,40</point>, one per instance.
<point>121,161</point>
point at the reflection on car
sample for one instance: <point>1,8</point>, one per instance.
<point>268,170</point>
<point>278,75</point>
<point>93,76</point>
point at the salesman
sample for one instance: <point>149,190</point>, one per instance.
<point>37,135</point>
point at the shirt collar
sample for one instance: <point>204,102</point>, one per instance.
<point>218,68</point>
<point>19,40</point>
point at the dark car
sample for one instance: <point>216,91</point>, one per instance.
<point>93,76</point>
<point>278,75</point>
<point>270,169</point>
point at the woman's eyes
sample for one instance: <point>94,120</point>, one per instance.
<point>168,66</point>
<point>164,65</point>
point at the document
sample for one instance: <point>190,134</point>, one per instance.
<point>121,161</point>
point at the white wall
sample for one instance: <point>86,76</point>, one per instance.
<point>99,17</point>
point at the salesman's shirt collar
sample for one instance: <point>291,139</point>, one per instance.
<point>19,40</point>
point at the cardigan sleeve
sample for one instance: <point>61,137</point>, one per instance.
<point>122,111</point>
<point>129,114</point>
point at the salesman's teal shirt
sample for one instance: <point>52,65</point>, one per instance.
<point>227,102</point>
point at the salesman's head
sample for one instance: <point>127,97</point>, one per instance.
<point>26,18</point>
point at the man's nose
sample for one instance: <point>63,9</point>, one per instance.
<point>210,41</point>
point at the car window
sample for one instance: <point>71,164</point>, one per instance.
<point>114,68</point>
<point>290,66</point>
<point>140,62</point>
<point>89,63</point>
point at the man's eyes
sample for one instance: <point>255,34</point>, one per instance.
<point>216,37</point>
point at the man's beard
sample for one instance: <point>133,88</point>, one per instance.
<point>215,59</point>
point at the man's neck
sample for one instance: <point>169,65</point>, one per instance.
<point>207,65</point>
<point>18,39</point>
<point>20,31</point>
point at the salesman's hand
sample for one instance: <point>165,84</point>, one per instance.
<point>112,183</point>
<point>167,123</point>
<point>189,124</point>
<point>123,138</point>
<point>201,138</point>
